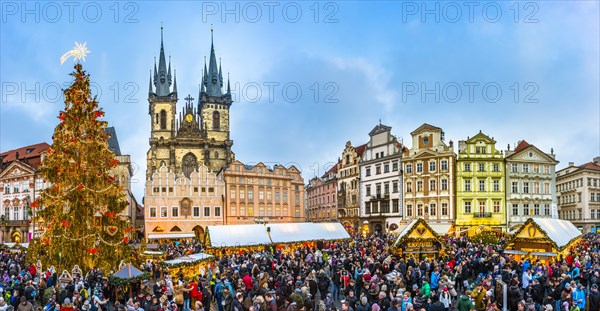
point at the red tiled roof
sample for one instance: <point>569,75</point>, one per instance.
<point>333,169</point>
<point>522,145</point>
<point>590,166</point>
<point>360,149</point>
<point>34,152</point>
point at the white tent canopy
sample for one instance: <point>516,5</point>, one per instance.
<point>558,230</point>
<point>252,235</point>
<point>238,235</point>
<point>307,231</point>
<point>189,258</point>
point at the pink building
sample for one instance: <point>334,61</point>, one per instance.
<point>322,197</point>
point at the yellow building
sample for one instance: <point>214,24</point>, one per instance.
<point>429,176</point>
<point>180,207</point>
<point>259,194</point>
<point>480,185</point>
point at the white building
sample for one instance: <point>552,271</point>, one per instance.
<point>380,181</point>
<point>530,184</point>
<point>578,195</point>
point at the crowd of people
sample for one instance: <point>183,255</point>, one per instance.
<point>357,275</point>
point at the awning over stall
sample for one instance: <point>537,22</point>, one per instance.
<point>307,231</point>
<point>279,233</point>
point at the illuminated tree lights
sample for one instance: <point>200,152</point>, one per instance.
<point>79,212</point>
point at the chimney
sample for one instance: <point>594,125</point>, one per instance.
<point>16,155</point>
<point>571,164</point>
<point>597,160</point>
<point>462,145</point>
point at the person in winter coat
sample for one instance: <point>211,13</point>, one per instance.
<point>478,295</point>
<point>25,305</point>
<point>465,303</point>
<point>426,289</point>
<point>594,298</point>
<point>3,304</point>
<point>514,295</point>
<point>363,305</point>
<point>446,299</point>
<point>227,300</point>
<point>579,298</point>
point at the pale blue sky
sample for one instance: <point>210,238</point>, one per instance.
<point>366,58</point>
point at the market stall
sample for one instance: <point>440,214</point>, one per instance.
<point>543,239</point>
<point>190,265</point>
<point>239,238</point>
<point>289,237</point>
<point>234,238</point>
<point>127,277</point>
<point>420,240</point>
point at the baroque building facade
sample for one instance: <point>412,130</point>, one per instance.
<point>380,181</point>
<point>530,184</point>
<point>480,184</point>
<point>261,194</point>
<point>322,197</point>
<point>21,185</point>
<point>429,173</point>
<point>348,186</point>
<point>200,134</point>
<point>578,195</point>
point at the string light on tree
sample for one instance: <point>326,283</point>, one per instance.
<point>80,210</point>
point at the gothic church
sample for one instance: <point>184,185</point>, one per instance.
<point>197,134</point>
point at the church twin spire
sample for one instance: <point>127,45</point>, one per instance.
<point>212,78</point>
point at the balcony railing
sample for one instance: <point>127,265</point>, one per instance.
<point>482,215</point>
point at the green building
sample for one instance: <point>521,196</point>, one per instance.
<point>480,186</point>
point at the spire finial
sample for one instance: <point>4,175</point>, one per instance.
<point>212,30</point>
<point>228,86</point>
<point>161,32</point>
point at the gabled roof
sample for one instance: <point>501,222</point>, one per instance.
<point>26,152</point>
<point>24,166</point>
<point>424,127</point>
<point>523,145</point>
<point>380,128</point>
<point>560,232</point>
<point>482,136</point>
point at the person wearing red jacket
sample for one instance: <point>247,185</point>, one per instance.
<point>248,282</point>
<point>193,286</point>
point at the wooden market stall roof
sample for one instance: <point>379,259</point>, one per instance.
<point>416,230</point>
<point>560,233</point>
<point>282,233</point>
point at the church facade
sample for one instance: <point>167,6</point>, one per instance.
<point>198,134</point>
<point>190,146</point>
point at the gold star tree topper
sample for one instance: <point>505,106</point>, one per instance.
<point>78,52</point>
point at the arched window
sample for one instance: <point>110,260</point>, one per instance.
<point>216,120</point>
<point>189,164</point>
<point>163,120</point>
<point>156,118</point>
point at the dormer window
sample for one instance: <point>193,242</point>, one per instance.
<point>29,150</point>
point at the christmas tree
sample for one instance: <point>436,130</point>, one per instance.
<point>79,211</point>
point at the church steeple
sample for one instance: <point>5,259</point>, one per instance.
<point>213,80</point>
<point>162,77</point>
